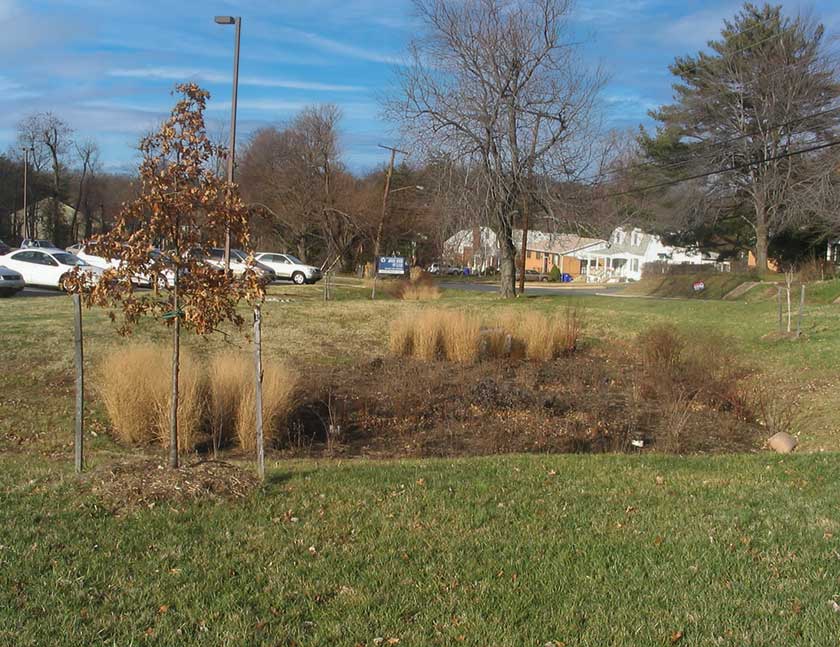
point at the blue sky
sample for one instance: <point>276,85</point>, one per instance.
<point>108,66</point>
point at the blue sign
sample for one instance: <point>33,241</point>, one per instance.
<point>391,265</point>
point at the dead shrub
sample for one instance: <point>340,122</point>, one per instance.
<point>278,389</point>
<point>417,274</point>
<point>661,347</point>
<point>419,292</point>
<point>129,381</point>
<point>461,335</point>
<point>567,332</point>
<point>227,374</point>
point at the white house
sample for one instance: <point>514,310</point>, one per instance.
<point>627,251</point>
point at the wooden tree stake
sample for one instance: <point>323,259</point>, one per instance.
<point>258,391</point>
<point>80,385</point>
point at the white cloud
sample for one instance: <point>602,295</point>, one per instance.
<point>175,74</point>
<point>337,47</point>
<point>697,29</point>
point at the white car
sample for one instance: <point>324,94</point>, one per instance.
<point>11,282</point>
<point>47,267</point>
<point>166,280</point>
<point>289,267</point>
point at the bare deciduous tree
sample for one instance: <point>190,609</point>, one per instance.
<point>495,85</point>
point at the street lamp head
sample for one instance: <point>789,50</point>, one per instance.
<point>225,20</point>
<point>420,187</point>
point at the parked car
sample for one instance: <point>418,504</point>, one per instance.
<point>533,275</point>
<point>74,249</point>
<point>11,282</point>
<point>238,263</point>
<point>290,267</point>
<point>47,267</point>
<point>4,248</point>
<point>39,243</point>
<point>143,279</point>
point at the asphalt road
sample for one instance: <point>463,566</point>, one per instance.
<point>537,289</point>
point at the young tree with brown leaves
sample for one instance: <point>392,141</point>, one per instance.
<point>184,208</point>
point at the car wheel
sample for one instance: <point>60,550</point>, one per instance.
<point>298,278</point>
<point>544,279</point>
<point>62,283</point>
<point>162,283</point>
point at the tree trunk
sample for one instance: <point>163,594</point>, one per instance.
<point>761,237</point>
<point>176,359</point>
<point>507,285</point>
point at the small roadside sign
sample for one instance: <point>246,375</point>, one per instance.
<point>391,265</point>
<point>699,286</point>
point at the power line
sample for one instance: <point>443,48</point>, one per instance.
<point>734,167</point>
<point>716,144</point>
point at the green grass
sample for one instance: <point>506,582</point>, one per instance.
<point>512,550</point>
<point>507,551</point>
<point>681,286</point>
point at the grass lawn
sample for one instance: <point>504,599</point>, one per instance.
<point>511,550</point>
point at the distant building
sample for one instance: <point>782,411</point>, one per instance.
<point>40,222</point>
<point>621,258</point>
<point>624,256</point>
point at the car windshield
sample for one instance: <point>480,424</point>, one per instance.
<point>239,255</point>
<point>294,259</point>
<point>68,259</point>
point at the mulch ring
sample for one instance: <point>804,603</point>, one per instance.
<point>144,483</point>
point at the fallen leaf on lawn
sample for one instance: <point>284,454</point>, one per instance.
<point>676,637</point>
<point>163,608</point>
<point>834,606</point>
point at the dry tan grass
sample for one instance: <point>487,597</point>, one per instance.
<point>461,335</point>
<point>538,335</point>
<point>416,274</point>
<point>227,373</point>
<point>428,334</point>
<point>279,382</point>
<point>128,383</point>
<point>420,292</point>
<point>401,338</point>
<point>192,387</point>
<point>134,382</point>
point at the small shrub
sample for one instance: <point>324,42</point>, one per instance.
<point>461,337</point>
<point>278,390</point>
<point>227,374</point>
<point>567,332</point>
<point>417,273</point>
<point>555,274</point>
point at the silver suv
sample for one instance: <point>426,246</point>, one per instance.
<point>286,266</point>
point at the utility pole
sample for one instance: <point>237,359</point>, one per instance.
<point>378,240</point>
<point>236,21</point>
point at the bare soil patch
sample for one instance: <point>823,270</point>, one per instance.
<point>126,485</point>
<point>593,401</point>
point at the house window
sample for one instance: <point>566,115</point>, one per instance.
<point>634,265</point>
<point>539,255</point>
<point>530,253</point>
<point>636,238</point>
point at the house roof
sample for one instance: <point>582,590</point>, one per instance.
<point>540,241</point>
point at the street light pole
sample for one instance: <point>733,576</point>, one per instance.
<point>25,214</point>
<point>236,21</point>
